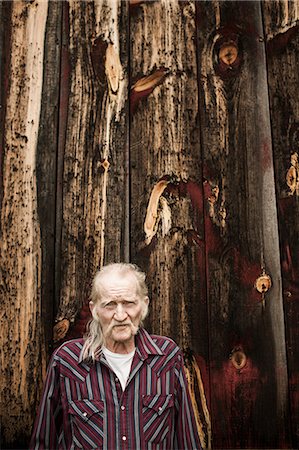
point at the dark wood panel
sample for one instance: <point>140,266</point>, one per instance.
<point>166,182</point>
<point>282,33</point>
<point>249,401</point>
<point>46,163</point>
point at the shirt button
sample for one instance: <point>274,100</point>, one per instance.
<point>85,414</point>
<point>124,438</point>
<point>116,379</point>
<point>122,407</point>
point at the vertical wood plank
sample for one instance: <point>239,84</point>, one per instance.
<point>93,175</point>
<point>282,37</point>
<point>166,182</point>
<point>5,37</point>
<point>46,163</point>
<point>249,398</point>
<point>22,355</point>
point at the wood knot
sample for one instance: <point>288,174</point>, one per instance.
<point>105,164</point>
<point>144,86</point>
<point>113,67</point>
<point>292,177</point>
<point>60,329</point>
<point>263,283</point>
<point>227,53</point>
<point>238,359</point>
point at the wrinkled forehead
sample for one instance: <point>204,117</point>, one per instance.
<point>119,285</point>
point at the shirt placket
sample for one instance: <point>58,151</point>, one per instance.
<point>123,415</point>
<point>122,397</point>
<point>124,408</point>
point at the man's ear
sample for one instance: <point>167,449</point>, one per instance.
<point>145,308</point>
<point>91,306</point>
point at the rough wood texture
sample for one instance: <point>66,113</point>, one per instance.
<point>191,199</point>
<point>279,16</point>
<point>282,38</point>
<point>166,184</point>
<point>93,194</point>
<point>46,162</point>
<point>249,396</point>
<point>22,355</point>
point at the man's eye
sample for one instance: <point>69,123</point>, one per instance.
<point>110,305</point>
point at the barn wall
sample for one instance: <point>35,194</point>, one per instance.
<point>163,133</point>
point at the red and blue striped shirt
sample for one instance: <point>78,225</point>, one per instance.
<point>83,405</point>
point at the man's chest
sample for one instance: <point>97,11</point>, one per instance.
<point>101,412</point>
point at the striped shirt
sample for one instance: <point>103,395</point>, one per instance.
<point>83,405</point>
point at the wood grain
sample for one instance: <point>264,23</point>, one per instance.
<point>241,231</point>
<point>22,335</point>
<point>282,38</point>
<point>93,187</point>
<point>166,182</point>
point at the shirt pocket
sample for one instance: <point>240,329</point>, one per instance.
<point>87,418</point>
<point>157,414</point>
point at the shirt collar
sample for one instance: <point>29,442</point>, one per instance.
<point>145,346</point>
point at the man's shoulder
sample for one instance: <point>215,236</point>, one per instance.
<point>165,343</point>
<point>69,349</point>
<point>162,339</point>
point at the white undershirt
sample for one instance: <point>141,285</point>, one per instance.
<point>120,363</point>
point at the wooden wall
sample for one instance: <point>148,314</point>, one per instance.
<point>165,133</point>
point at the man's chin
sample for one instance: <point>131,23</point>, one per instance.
<point>123,333</point>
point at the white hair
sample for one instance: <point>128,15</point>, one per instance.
<point>94,339</point>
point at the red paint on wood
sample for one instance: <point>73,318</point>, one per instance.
<point>235,390</point>
<point>267,161</point>
<point>135,97</point>
<point>246,272</point>
<point>289,254</point>
<point>78,328</point>
<point>289,251</point>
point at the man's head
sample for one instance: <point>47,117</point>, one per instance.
<point>119,303</point>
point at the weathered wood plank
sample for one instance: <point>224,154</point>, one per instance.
<point>5,36</point>
<point>93,175</point>
<point>22,346</point>
<point>46,163</point>
<point>282,35</point>
<point>249,397</point>
<point>166,181</point>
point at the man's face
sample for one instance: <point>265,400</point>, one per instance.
<point>119,311</point>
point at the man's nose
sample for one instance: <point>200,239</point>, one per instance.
<point>120,313</point>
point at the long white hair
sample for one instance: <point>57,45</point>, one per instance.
<point>94,339</point>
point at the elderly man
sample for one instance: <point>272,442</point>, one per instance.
<point>119,387</point>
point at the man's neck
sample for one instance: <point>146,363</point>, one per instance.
<point>121,347</point>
